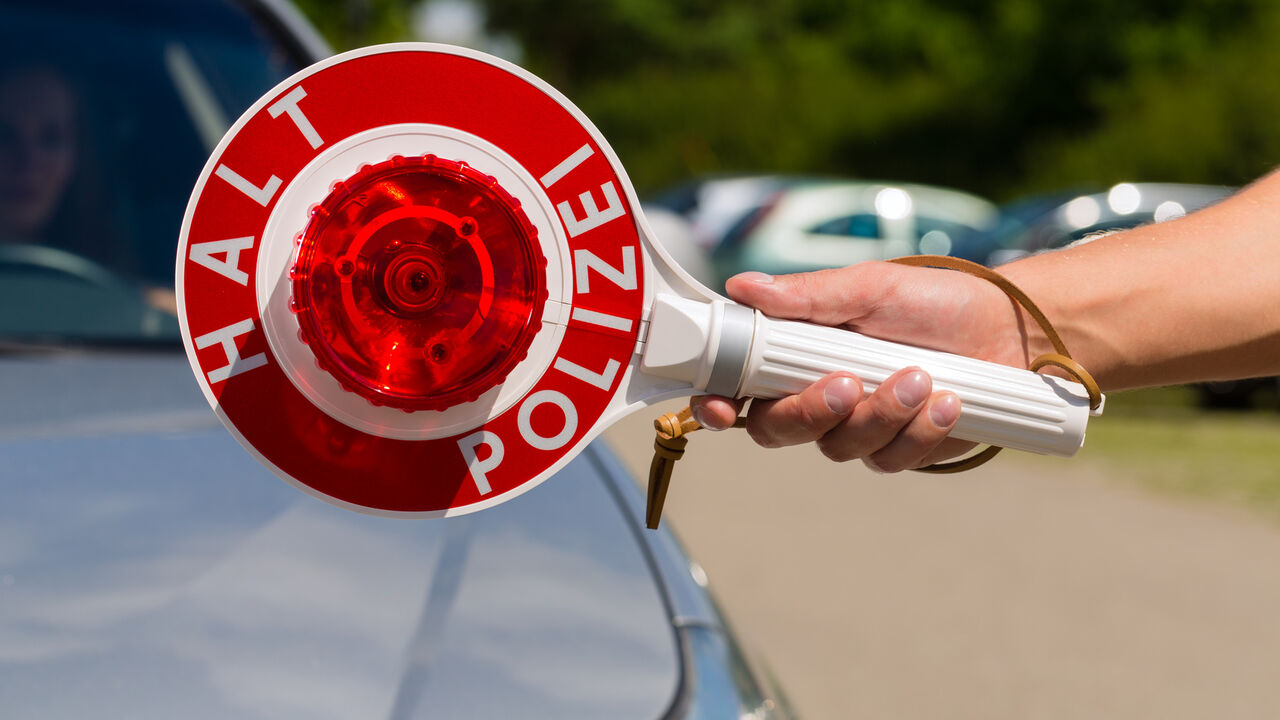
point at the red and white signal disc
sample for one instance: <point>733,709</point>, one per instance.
<point>356,442</point>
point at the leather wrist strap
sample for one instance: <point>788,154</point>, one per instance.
<point>673,428</point>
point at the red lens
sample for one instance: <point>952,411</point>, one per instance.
<point>419,283</point>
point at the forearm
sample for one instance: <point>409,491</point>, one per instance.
<point>1193,299</point>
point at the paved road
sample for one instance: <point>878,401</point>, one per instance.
<point>1030,588</point>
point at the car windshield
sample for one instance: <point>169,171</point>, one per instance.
<point>108,111</point>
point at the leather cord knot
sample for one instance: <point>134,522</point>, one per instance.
<point>668,447</point>
<point>672,428</point>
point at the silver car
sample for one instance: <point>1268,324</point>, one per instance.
<point>149,567</point>
<point>823,224</point>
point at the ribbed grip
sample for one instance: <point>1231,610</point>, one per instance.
<point>1000,405</point>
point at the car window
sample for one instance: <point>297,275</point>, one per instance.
<point>738,231</point>
<point>108,111</point>
<point>863,225</point>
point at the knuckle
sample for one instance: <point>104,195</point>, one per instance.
<point>806,418</point>
<point>803,288</point>
<point>848,441</point>
<point>761,436</point>
<point>881,415</point>
<point>835,451</point>
<point>886,464</point>
<point>790,421</point>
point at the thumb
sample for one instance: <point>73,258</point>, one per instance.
<point>828,297</point>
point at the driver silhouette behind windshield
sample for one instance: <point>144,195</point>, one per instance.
<point>38,151</point>
<point>49,193</point>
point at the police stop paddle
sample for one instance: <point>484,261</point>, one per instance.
<point>413,279</point>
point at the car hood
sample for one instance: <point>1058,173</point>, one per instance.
<point>150,568</point>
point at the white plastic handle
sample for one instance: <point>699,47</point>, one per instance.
<point>714,346</point>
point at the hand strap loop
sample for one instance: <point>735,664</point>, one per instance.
<point>673,428</point>
<point>1060,359</point>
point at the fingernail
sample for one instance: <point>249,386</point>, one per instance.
<point>699,415</point>
<point>755,277</point>
<point>945,411</point>
<point>872,466</point>
<point>912,389</point>
<point>841,395</point>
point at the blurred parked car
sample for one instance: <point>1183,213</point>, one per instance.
<point>676,235</point>
<point>1052,221</point>
<point>827,224</point>
<point>1046,222</point>
<point>149,566</point>
<point>712,205</point>
<point>1015,217</point>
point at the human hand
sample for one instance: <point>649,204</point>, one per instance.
<point>904,423</point>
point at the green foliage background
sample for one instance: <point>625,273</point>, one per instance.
<point>1000,97</point>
